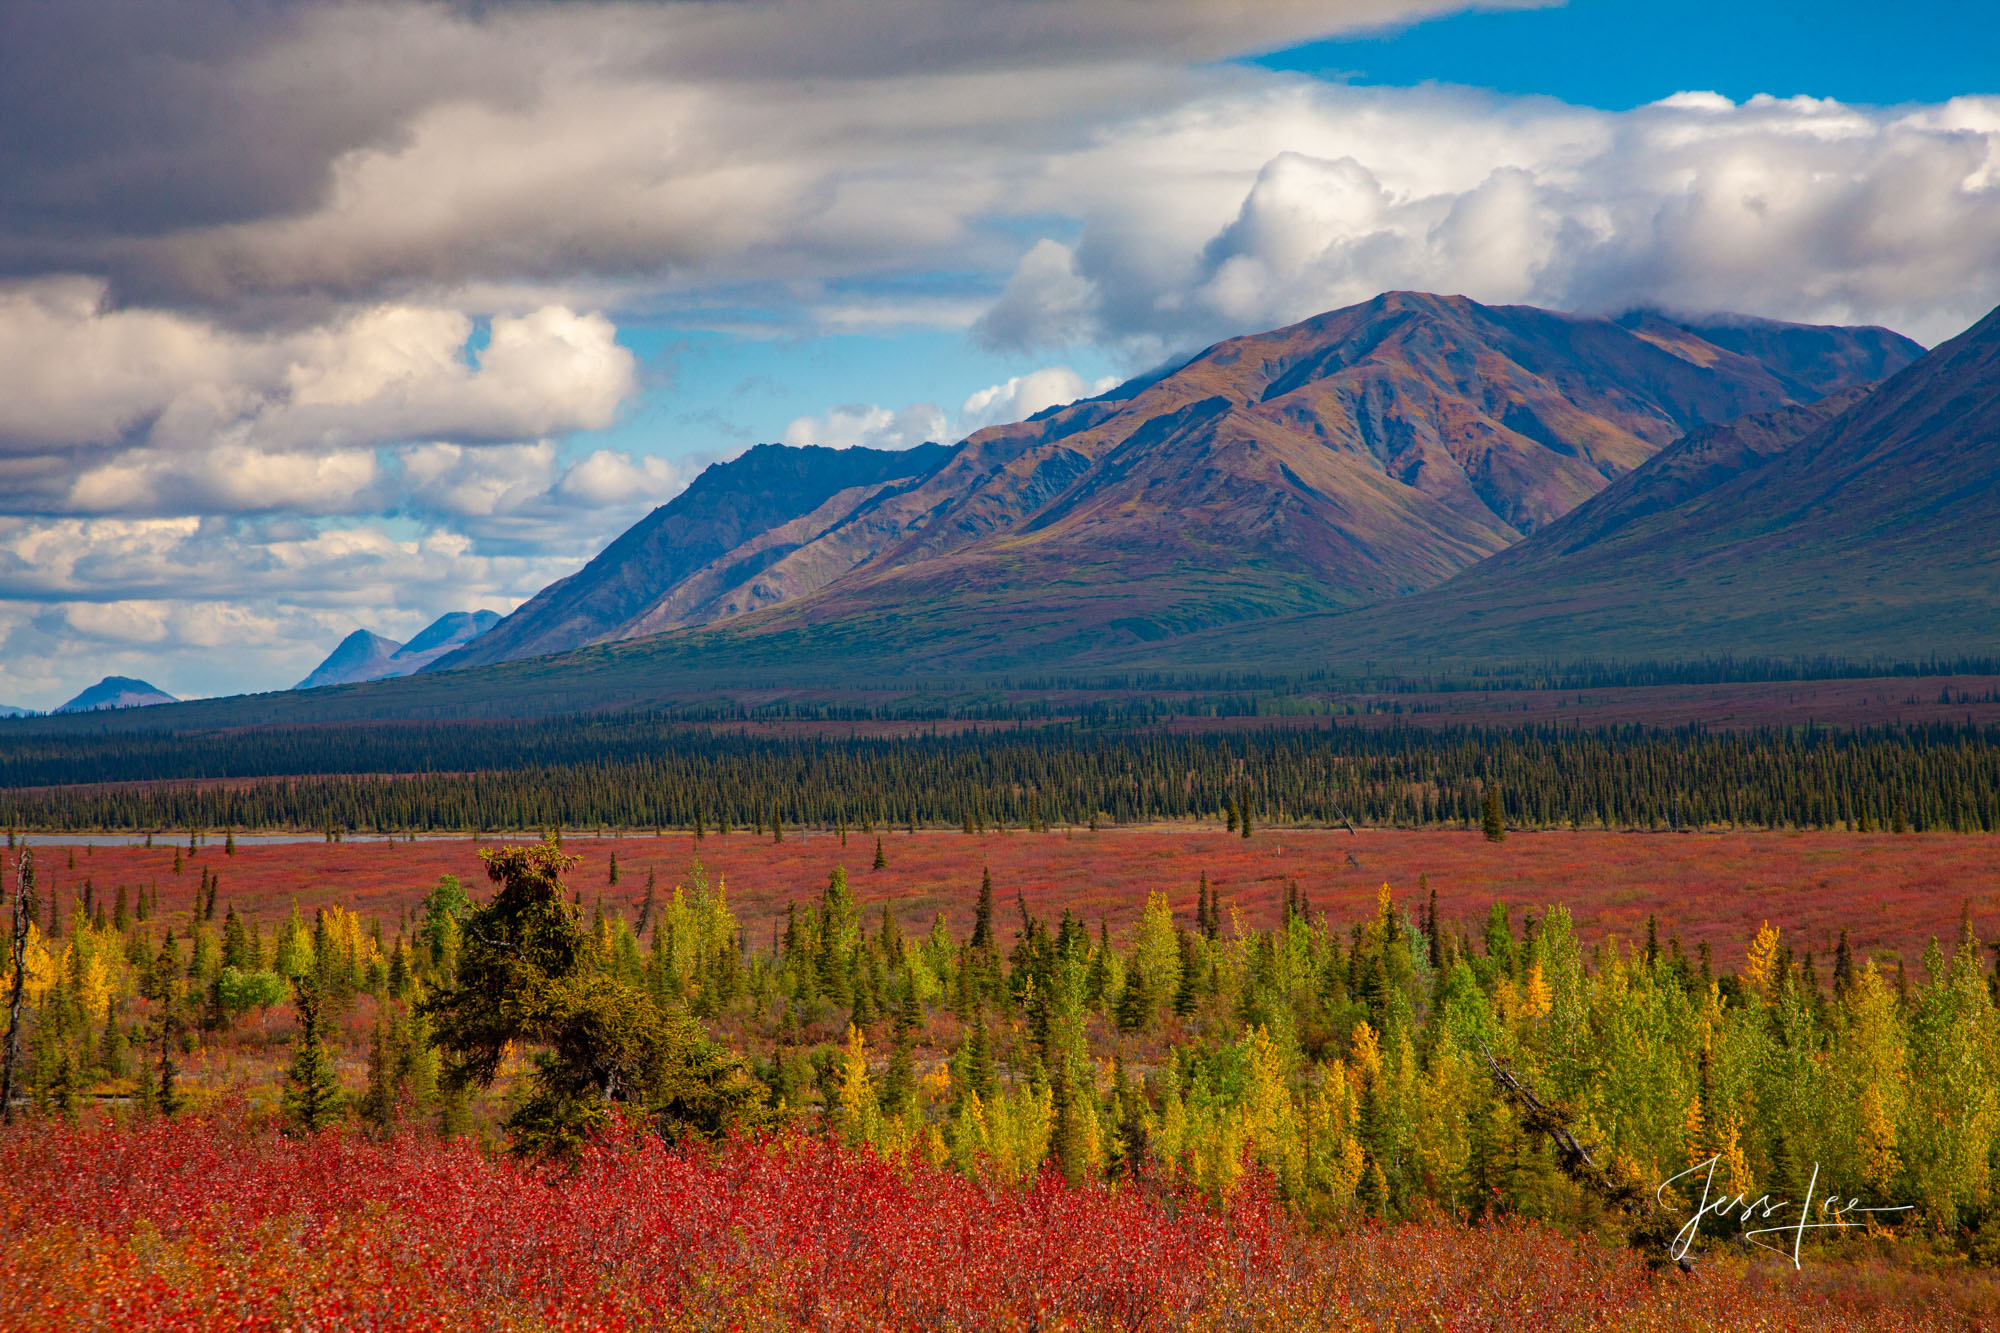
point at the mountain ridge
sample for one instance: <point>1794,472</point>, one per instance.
<point>1876,529</point>
<point>725,509</point>
<point>365,656</point>
<point>1363,454</point>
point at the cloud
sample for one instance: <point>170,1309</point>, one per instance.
<point>229,151</point>
<point>870,427</point>
<point>76,372</point>
<point>605,479</point>
<point>1243,212</point>
<point>1021,396</point>
<point>225,605</point>
<point>228,479</point>
<point>301,305</point>
<point>523,498</point>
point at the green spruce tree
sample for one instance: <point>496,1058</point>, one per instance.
<point>313,1100</point>
<point>1490,822</point>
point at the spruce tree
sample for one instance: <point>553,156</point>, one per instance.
<point>1135,1002</point>
<point>1490,822</point>
<point>881,861</point>
<point>23,919</point>
<point>984,950</point>
<point>378,1106</point>
<point>909,1010</point>
<point>1843,968</point>
<point>976,1059</point>
<point>646,906</point>
<point>313,1100</point>
<point>1187,993</point>
<point>162,989</point>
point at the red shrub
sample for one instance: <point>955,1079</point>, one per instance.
<point>208,1224</point>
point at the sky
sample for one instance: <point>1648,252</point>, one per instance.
<point>319,316</point>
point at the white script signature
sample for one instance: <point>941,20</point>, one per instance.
<point>1834,1213</point>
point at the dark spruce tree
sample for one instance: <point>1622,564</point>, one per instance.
<point>528,973</point>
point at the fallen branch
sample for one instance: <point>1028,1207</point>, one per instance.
<point>1651,1229</point>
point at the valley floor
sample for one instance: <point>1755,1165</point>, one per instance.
<point>1892,893</point>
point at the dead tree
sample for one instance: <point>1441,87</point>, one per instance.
<point>1650,1229</point>
<point>24,914</point>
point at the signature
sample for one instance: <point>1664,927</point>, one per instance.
<point>1834,1213</point>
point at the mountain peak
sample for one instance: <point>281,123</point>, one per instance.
<point>357,657</point>
<point>1863,525</point>
<point>364,655</point>
<point>117,692</point>
<point>1362,454</point>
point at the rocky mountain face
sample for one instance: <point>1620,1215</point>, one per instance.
<point>1359,456</point>
<point>1866,526</point>
<point>364,655</point>
<point>710,552</point>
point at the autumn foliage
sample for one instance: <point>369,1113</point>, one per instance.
<point>218,1223</point>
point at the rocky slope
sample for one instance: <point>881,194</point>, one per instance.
<point>1363,455</point>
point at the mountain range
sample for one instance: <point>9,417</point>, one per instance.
<point>1352,459</point>
<point>1867,525</point>
<point>1415,483</point>
<point>364,656</point>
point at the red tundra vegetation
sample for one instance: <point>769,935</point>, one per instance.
<point>217,1223</point>
<point>1890,892</point>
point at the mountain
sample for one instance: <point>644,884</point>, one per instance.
<point>363,655</point>
<point>705,554</point>
<point>1872,531</point>
<point>449,632</point>
<point>8,710</point>
<point>1696,463</point>
<point>360,656</point>
<point>1359,456</point>
<point>117,692</point>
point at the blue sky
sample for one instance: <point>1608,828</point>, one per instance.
<point>720,390</point>
<point>1617,54</point>
<point>423,327</point>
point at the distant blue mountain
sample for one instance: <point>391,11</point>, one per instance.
<point>117,692</point>
<point>366,656</point>
<point>455,629</point>
<point>360,656</point>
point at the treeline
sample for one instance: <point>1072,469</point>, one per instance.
<point>1924,778</point>
<point>1723,670</point>
<point>1348,1059</point>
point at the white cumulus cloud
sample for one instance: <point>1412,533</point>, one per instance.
<point>1021,396</point>
<point>76,371</point>
<point>1255,208</point>
<point>867,426</point>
